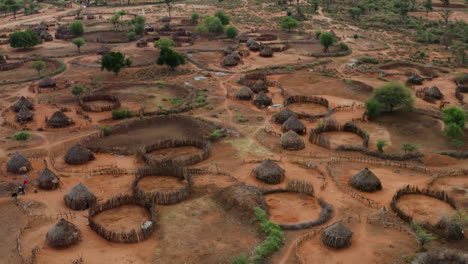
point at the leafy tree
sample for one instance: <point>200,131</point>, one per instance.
<point>114,62</point>
<point>39,66</point>
<point>115,20</point>
<point>79,42</point>
<point>24,39</point>
<point>78,90</point>
<point>455,115</point>
<point>453,131</point>
<point>139,20</point>
<point>214,24</point>
<point>231,32</point>
<point>194,18</point>
<point>289,23</point>
<point>394,94</point>
<point>428,6</point>
<point>164,43</point>
<point>318,32</point>
<point>373,108</point>
<point>355,13</point>
<point>315,5</point>
<point>22,135</point>
<point>421,236</point>
<point>408,147</point>
<point>170,58</point>
<point>169,6</point>
<point>326,40</point>
<point>76,28</point>
<point>446,3</point>
<point>402,6</point>
<point>222,17</point>
<point>446,14</point>
<point>201,29</point>
<point>131,35</point>
<point>13,6</point>
<point>381,143</point>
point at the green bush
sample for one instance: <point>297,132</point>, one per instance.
<point>76,28</point>
<point>131,35</point>
<point>201,29</point>
<point>355,36</point>
<point>164,43</point>
<point>216,134</point>
<point>368,60</point>
<point>194,17</point>
<point>107,131</point>
<point>381,143</point>
<point>22,135</point>
<point>222,17</point>
<point>242,119</point>
<point>241,260</point>
<point>78,90</point>
<point>344,46</point>
<point>121,114</point>
<point>214,24</point>
<point>326,40</point>
<point>24,39</point>
<point>274,239</point>
<point>231,32</point>
<point>373,108</point>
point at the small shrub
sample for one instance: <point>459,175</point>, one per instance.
<point>107,131</point>
<point>381,143</point>
<point>231,32</point>
<point>408,147</point>
<point>78,90</point>
<point>369,60</point>
<point>131,35</point>
<point>355,36</point>
<point>22,135</point>
<point>344,46</point>
<point>242,119</point>
<point>241,260</point>
<point>216,134</point>
<point>121,114</point>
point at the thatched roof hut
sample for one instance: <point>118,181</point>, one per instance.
<point>243,38</point>
<point>47,180</point>
<point>62,32</point>
<point>230,61</point>
<point>284,115</point>
<point>22,101</point>
<point>365,181</point>
<point>241,197</point>
<point>24,115</point>
<point>454,231</point>
<point>441,257</point>
<point>291,141</point>
<point>78,155</point>
<point>433,92</point>
<point>63,234</point>
<point>415,79</point>
<point>259,86</point>
<point>254,46</point>
<point>47,83</point>
<point>46,36</point>
<point>294,124</point>
<point>58,120</point>
<point>262,100</point>
<point>18,164</point>
<point>103,50</point>
<point>266,52</point>
<point>244,93</point>
<point>142,43</point>
<point>79,197</point>
<point>337,236</point>
<point>269,172</point>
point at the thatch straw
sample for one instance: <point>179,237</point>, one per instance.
<point>242,197</point>
<point>294,124</point>
<point>269,172</point>
<point>266,52</point>
<point>441,257</point>
<point>47,180</point>
<point>365,181</point>
<point>63,234</point>
<point>79,197</point>
<point>259,86</point>
<point>47,83</point>
<point>78,155</point>
<point>244,93</point>
<point>337,236</point>
<point>18,164</point>
<point>22,101</point>
<point>433,92</point>
<point>24,115</point>
<point>291,141</point>
<point>59,119</point>
<point>283,115</point>
<point>262,100</point>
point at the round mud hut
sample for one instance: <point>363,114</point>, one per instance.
<point>23,102</point>
<point>259,86</point>
<point>269,172</point>
<point>283,115</point>
<point>366,181</point>
<point>266,52</point>
<point>291,141</point>
<point>18,164</point>
<point>59,120</point>
<point>433,92</point>
<point>63,234</point>
<point>47,180</point>
<point>415,79</point>
<point>337,236</point>
<point>244,93</point>
<point>262,100</point>
<point>294,124</point>
<point>47,83</point>
<point>78,154</point>
<point>79,197</point>
<point>230,61</point>
<point>24,115</point>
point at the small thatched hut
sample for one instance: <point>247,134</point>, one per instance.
<point>269,172</point>
<point>18,164</point>
<point>62,32</point>
<point>142,43</point>
<point>259,86</point>
<point>47,83</point>
<point>243,38</point>
<point>47,180</point>
<point>337,236</point>
<point>284,115</point>
<point>433,92</point>
<point>294,124</point>
<point>24,115</point>
<point>230,61</point>
<point>22,101</point>
<point>266,52</point>
<point>78,155</point>
<point>79,197</point>
<point>262,100</point>
<point>59,119</point>
<point>291,141</point>
<point>415,79</point>
<point>63,234</point>
<point>441,257</point>
<point>244,93</point>
<point>365,181</point>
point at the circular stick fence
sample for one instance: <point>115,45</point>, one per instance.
<point>309,99</point>
<point>114,102</point>
<point>317,137</point>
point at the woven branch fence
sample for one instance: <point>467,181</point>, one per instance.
<point>133,236</point>
<point>162,197</point>
<point>316,136</point>
<point>309,99</point>
<point>114,102</point>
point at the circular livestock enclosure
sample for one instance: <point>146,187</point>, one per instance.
<point>136,234</point>
<point>163,197</point>
<point>407,190</point>
<point>107,36</point>
<point>179,160</point>
<point>99,102</point>
<point>317,137</point>
<point>309,99</point>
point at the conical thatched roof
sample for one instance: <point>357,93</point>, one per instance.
<point>445,256</point>
<point>59,119</point>
<point>243,38</point>
<point>337,236</point>
<point>266,52</point>
<point>142,43</point>
<point>259,86</point>
<point>415,79</point>
<point>230,61</point>
<point>244,93</point>
<point>18,164</point>
<point>262,100</point>
<point>269,172</point>
<point>23,101</point>
<point>63,234</point>
<point>24,115</point>
<point>291,141</point>
<point>78,155</point>
<point>47,83</point>
<point>294,124</point>
<point>365,181</point>
<point>79,197</point>
<point>283,115</point>
<point>434,92</point>
<point>47,180</point>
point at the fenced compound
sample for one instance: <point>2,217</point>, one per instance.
<point>440,195</point>
<point>114,102</point>
<point>163,197</point>
<point>317,137</point>
<point>309,99</point>
<point>133,236</point>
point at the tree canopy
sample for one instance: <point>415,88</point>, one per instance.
<point>289,23</point>
<point>79,42</point>
<point>24,39</point>
<point>170,58</point>
<point>454,114</point>
<point>214,24</point>
<point>231,32</point>
<point>39,66</point>
<point>76,28</point>
<point>326,40</point>
<point>164,43</point>
<point>222,17</point>
<point>394,94</point>
<point>114,62</point>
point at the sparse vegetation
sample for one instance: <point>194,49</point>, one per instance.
<point>114,62</point>
<point>76,28</point>
<point>24,39</point>
<point>121,114</point>
<point>79,42</point>
<point>39,66</point>
<point>22,136</point>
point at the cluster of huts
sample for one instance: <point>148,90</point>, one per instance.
<point>24,114</point>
